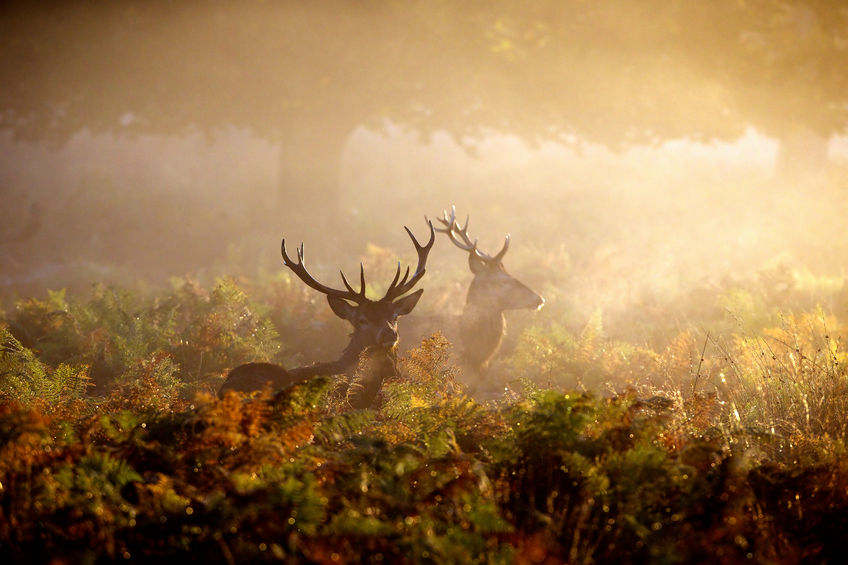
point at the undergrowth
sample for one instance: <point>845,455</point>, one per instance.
<point>725,442</point>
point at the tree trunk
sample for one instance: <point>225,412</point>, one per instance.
<point>309,189</point>
<point>802,156</point>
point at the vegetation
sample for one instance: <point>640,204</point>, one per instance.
<point>723,440</point>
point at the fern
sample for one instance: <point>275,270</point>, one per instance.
<point>343,427</point>
<point>24,378</point>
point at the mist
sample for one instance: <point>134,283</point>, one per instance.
<point>637,334</point>
<point>195,157</point>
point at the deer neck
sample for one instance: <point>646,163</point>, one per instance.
<point>367,366</point>
<point>482,329</point>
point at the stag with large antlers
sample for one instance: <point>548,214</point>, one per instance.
<point>375,333</point>
<point>482,325</point>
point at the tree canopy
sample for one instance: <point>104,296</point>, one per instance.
<point>620,72</point>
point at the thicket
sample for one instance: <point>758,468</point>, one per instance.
<point>725,440</point>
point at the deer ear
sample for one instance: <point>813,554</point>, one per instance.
<point>476,264</point>
<point>341,308</point>
<point>404,306</point>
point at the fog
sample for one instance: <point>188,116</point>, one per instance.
<point>645,187</point>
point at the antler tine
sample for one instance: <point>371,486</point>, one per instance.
<point>452,229</point>
<point>502,252</point>
<point>299,269</point>
<point>361,293</point>
<point>448,223</point>
<point>397,289</point>
<point>397,276</point>
<point>455,233</point>
<point>463,233</point>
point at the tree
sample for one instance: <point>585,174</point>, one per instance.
<point>306,74</point>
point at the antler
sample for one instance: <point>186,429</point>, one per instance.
<point>454,231</point>
<point>397,289</point>
<point>399,286</point>
<point>300,270</point>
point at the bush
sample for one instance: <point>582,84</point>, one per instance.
<point>724,446</point>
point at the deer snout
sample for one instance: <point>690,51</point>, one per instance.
<point>540,303</point>
<point>387,336</point>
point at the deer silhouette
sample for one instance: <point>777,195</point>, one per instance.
<point>482,324</point>
<point>373,341</point>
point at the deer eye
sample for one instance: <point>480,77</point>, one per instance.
<point>361,320</point>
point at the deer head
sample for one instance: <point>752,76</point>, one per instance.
<point>492,291</point>
<point>492,287</point>
<point>374,321</point>
<point>374,329</point>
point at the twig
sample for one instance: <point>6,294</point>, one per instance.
<point>700,362</point>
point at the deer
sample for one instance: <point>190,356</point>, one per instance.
<point>374,339</point>
<point>482,325</point>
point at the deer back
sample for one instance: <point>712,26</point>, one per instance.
<point>255,376</point>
